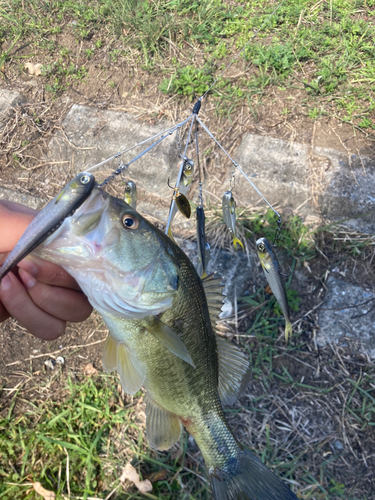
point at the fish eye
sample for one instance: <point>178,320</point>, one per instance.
<point>130,221</point>
<point>85,179</point>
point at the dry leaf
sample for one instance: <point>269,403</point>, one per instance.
<point>47,495</point>
<point>132,475</point>
<point>268,290</point>
<point>89,370</point>
<point>34,69</point>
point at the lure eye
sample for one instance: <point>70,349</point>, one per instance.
<point>261,247</point>
<point>85,179</point>
<point>130,221</point>
<point>187,167</point>
<point>127,188</point>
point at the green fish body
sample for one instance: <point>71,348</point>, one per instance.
<point>160,316</point>
<point>275,279</point>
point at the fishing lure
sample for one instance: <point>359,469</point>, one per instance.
<point>229,215</point>
<point>130,194</point>
<point>271,268</point>
<point>182,202</point>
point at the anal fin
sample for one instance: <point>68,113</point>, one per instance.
<point>234,371</point>
<point>162,428</point>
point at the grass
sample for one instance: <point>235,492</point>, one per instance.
<point>77,439</point>
<point>324,49</point>
<point>77,444</point>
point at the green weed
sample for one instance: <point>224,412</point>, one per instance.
<point>80,442</point>
<point>188,81</point>
<point>328,47</point>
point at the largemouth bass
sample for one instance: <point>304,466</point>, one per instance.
<point>271,268</point>
<point>50,217</point>
<point>147,291</point>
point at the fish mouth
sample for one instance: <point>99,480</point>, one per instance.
<point>87,244</point>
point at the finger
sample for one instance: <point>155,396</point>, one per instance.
<point>48,272</point>
<point>14,220</point>
<point>3,313</point>
<point>19,304</point>
<point>61,303</point>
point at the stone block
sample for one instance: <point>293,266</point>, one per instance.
<point>311,180</point>
<point>348,311</point>
<point>92,135</point>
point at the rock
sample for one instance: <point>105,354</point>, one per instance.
<point>9,99</point>
<point>348,311</point>
<point>92,135</point>
<point>288,173</point>
<point>23,198</point>
<point>278,168</point>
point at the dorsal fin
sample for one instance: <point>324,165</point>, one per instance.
<point>234,371</point>
<point>234,367</point>
<point>214,295</point>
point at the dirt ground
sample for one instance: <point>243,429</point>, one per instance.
<point>302,420</point>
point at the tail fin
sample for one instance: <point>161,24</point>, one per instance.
<point>236,242</point>
<point>288,331</point>
<point>244,477</point>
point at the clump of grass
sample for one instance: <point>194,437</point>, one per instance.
<point>188,81</point>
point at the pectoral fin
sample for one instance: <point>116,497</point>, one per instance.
<point>162,428</point>
<point>110,355</point>
<point>169,339</point>
<point>117,356</point>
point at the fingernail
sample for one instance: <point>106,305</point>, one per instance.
<point>6,283</point>
<point>29,266</point>
<point>27,279</point>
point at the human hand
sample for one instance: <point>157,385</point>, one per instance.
<point>41,295</point>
